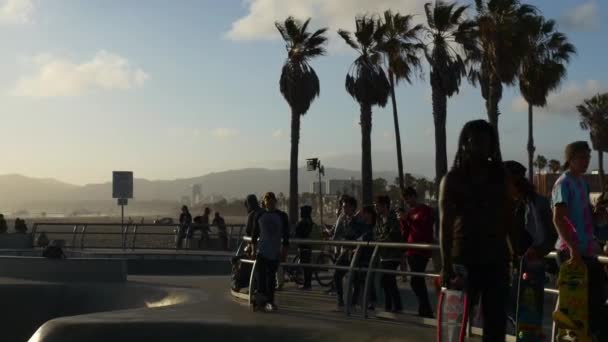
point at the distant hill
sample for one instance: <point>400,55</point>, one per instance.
<point>18,192</point>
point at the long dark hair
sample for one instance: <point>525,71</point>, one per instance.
<point>463,157</point>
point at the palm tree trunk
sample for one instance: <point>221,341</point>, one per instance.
<point>440,104</point>
<point>531,147</point>
<point>492,103</point>
<point>397,133</point>
<point>366,154</point>
<point>293,167</point>
<point>600,159</point>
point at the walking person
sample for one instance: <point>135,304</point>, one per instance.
<point>270,239</point>
<point>388,230</point>
<point>475,217</point>
<point>417,227</point>
<point>574,219</point>
<point>222,231</point>
<point>303,229</point>
<point>341,233</point>
<point>185,220</point>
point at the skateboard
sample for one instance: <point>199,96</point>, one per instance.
<point>530,301</point>
<point>571,317</point>
<point>452,315</point>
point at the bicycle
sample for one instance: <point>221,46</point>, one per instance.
<point>323,276</point>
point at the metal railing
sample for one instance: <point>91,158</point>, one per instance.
<point>125,236</point>
<point>370,269</point>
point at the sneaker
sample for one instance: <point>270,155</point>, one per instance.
<point>270,307</point>
<point>371,307</point>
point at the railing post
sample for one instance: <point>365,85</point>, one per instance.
<point>83,233</point>
<point>74,233</point>
<point>368,278</point>
<point>349,279</point>
<point>134,237</point>
<point>251,278</point>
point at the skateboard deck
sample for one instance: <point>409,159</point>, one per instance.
<point>530,301</point>
<point>452,315</point>
<point>571,317</point>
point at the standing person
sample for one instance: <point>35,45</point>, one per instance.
<point>201,223</point>
<point>3,225</point>
<point>363,230</point>
<point>303,229</point>
<point>574,219</point>
<point>185,220</point>
<point>222,232</point>
<point>388,230</point>
<point>253,209</point>
<point>475,217</point>
<point>417,227</point>
<point>341,232</point>
<point>271,239</point>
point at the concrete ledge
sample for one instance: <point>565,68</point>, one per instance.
<point>16,241</point>
<point>64,270</point>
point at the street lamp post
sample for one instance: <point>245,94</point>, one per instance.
<point>313,164</point>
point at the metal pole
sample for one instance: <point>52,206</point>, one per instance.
<point>122,216</point>
<point>320,195</point>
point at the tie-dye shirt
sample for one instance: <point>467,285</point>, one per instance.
<point>573,192</point>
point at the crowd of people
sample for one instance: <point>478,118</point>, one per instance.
<point>19,226</point>
<point>490,216</point>
<point>189,225</point>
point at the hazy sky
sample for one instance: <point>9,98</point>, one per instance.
<point>173,89</point>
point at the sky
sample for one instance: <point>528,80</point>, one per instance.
<point>174,89</point>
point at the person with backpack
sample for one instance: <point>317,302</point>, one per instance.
<point>270,238</point>
<point>389,230</point>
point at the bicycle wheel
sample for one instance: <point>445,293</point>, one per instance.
<point>297,273</point>
<point>325,276</point>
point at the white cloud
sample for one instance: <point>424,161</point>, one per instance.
<point>60,77</point>
<point>278,134</point>
<point>225,133</point>
<point>15,11</point>
<point>258,23</point>
<point>584,17</point>
<point>565,100</point>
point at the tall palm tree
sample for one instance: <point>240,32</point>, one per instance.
<point>401,47</point>
<point>594,117</point>
<point>555,166</point>
<point>299,85</point>
<point>502,38</point>
<point>367,83</point>
<point>542,70</point>
<point>448,30</point>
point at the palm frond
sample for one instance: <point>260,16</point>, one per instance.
<point>348,39</point>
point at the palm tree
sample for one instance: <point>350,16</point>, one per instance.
<point>555,166</point>
<point>447,29</point>
<point>540,163</point>
<point>401,48</point>
<point>594,117</point>
<point>299,85</point>
<point>542,70</point>
<point>502,37</point>
<point>366,82</point>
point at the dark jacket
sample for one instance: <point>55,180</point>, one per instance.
<point>519,237</point>
<point>253,210</point>
<point>270,231</point>
<point>303,230</point>
<point>389,231</point>
<point>185,219</point>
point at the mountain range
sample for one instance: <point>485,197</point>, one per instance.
<point>18,192</point>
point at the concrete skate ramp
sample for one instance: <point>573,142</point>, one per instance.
<point>211,314</point>
<point>26,305</point>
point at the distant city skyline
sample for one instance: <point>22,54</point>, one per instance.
<point>181,89</point>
